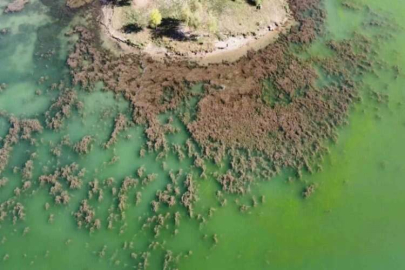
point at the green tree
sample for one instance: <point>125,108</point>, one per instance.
<point>155,18</point>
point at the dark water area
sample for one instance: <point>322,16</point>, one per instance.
<point>87,190</point>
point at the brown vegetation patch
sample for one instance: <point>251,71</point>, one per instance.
<point>62,108</point>
<point>233,115</point>
<point>119,125</point>
<point>84,145</point>
<point>19,130</point>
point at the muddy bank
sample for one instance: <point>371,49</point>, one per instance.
<point>233,52</point>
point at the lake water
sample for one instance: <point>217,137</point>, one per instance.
<point>354,220</point>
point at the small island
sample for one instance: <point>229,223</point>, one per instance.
<point>209,31</point>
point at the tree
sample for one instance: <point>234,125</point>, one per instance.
<point>258,4</point>
<point>155,18</point>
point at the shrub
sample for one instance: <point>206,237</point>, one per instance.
<point>155,18</point>
<point>212,23</point>
<point>191,16</point>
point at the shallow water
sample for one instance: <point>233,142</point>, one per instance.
<point>354,220</point>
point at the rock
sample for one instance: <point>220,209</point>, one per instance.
<point>77,3</point>
<point>4,31</point>
<point>272,26</point>
<point>16,6</point>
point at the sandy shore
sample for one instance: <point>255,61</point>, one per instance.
<point>230,49</point>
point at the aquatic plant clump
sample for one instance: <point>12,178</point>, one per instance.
<point>119,125</point>
<point>19,130</point>
<point>62,107</point>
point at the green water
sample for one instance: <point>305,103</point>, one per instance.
<point>354,220</point>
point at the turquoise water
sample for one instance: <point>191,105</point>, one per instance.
<point>354,220</point>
